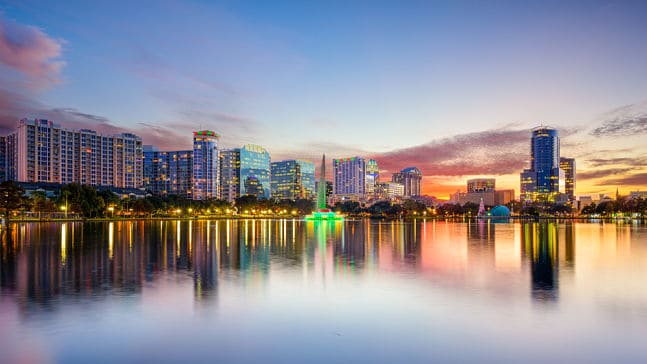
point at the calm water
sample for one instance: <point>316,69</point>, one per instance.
<point>295,292</point>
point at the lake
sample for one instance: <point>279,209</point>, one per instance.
<point>291,291</point>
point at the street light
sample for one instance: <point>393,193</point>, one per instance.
<point>112,211</point>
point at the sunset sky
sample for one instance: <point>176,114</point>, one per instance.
<point>450,87</point>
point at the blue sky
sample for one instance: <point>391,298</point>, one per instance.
<point>361,77</point>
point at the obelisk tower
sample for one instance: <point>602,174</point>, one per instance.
<point>321,190</point>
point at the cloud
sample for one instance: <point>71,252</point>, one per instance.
<point>622,127</point>
<point>637,179</point>
<point>626,120</point>
<point>627,161</point>
<point>600,173</point>
<point>492,152</point>
<point>30,51</point>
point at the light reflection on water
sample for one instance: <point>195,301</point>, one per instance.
<point>294,291</point>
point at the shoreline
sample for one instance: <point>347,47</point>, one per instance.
<point>348,218</point>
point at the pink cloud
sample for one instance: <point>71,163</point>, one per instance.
<point>493,152</point>
<point>31,52</point>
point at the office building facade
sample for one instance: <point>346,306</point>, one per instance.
<point>3,159</point>
<point>481,185</point>
<point>206,165</point>
<point>168,172</point>
<point>349,178</point>
<point>411,179</point>
<point>390,190</point>
<point>293,179</point>
<point>255,171</point>
<point>544,179</point>
<point>230,174</point>
<point>568,166</point>
<point>372,177</point>
<point>42,151</point>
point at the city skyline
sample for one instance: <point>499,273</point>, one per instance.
<point>458,105</point>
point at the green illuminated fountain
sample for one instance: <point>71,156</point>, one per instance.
<point>323,212</point>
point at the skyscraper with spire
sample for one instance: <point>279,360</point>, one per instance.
<point>544,179</point>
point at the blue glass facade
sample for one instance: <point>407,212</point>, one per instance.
<point>293,179</point>
<point>544,175</point>
<point>168,173</point>
<point>206,165</point>
<point>255,171</point>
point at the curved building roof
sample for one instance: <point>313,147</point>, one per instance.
<point>411,170</point>
<point>500,210</point>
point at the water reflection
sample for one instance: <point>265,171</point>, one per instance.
<point>42,262</point>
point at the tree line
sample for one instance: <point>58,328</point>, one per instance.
<point>86,201</point>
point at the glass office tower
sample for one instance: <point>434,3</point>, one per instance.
<point>568,166</point>
<point>168,172</point>
<point>293,179</point>
<point>206,165</point>
<point>230,174</point>
<point>544,177</point>
<point>255,171</point>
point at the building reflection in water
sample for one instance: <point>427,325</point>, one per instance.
<point>41,263</point>
<point>541,247</point>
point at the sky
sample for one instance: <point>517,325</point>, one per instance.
<point>450,87</point>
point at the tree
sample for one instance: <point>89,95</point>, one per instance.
<point>11,198</point>
<point>589,209</point>
<point>348,207</point>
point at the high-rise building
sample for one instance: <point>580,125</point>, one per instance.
<point>481,185</point>
<point>230,174</point>
<point>41,151</point>
<point>349,177</point>
<point>3,158</point>
<point>255,171</point>
<point>328,188</point>
<point>544,178</point>
<point>411,179</point>
<point>293,179</point>
<point>168,172</point>
<point>206,165</point>
<point>390,190</point>
<point>372,177</point>
<point>568,166</point>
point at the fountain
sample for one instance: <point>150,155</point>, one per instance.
<point>322,211</point>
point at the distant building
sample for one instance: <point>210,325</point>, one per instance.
<point>293,179</point>
<point>349,178</point>
<point>168,172</point>
<point>429,201</point>
<point>230,174</point>
<point>568,166</point>
<point>544,179</point>
<point>42,151</point>
<point>637,194</point>
<point>481,185</point>
<point>483,189</point>
<point>206,165</point>
<point>372,177</point>
<point>255,171</point>
<point>3,159</point>
<point>390,190</point>
<point>411,179</point>
<point>584,201</point>
<point>502,197</point>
